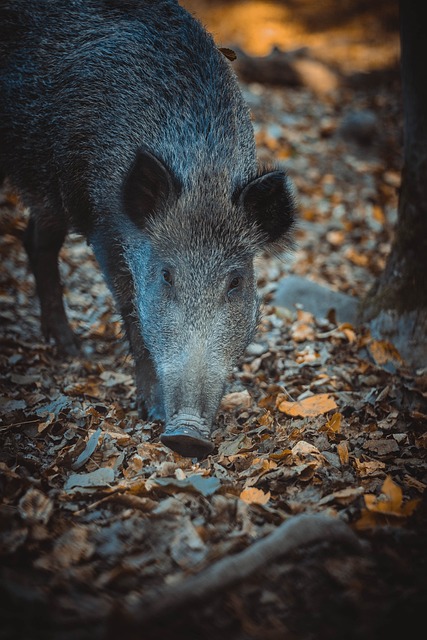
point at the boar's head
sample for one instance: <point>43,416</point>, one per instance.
<point>191,251</point>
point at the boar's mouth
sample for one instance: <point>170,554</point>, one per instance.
<point>188,435</point>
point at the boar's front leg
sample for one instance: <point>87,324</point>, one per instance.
<point>110,258</point>
<point>148,395</point>
<point>43,240</point>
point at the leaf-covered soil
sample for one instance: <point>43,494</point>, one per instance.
<point>104,531</point>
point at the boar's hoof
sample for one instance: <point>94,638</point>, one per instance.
<point>187,436</point>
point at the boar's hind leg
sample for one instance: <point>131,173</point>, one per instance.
<point>43,240</point>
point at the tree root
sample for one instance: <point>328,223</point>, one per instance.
<point>290,535</point>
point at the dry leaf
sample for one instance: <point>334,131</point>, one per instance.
<point>266,420</point>
<point>368,467</point>
<point>302,449</point>
<point>281,454</point>
<point>343,496</point>
<point>99,478</point>
<point>333,425</point>
<point>342,450</point>
<point>236,400</point>
<point>309,407</point>
<point>382,446</point>
<point>254,496</point>
<point>194,483</point>
<point>301,331</point>
<point>383,352</point>
<point>390,501</point>
<point>228,53</point>
<point>387,506</point>
<point>113,378</point>
<point>89,449</point>
<point>238,445</point>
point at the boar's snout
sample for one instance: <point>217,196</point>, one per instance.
<point>188,435</point>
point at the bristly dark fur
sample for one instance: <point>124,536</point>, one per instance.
<point>122,120</point>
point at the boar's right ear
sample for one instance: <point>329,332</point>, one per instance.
<point>147,186</point>
<point>269,202</point>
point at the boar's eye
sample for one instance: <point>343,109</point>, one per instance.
<point>167,277</point>
<point>235,284</point>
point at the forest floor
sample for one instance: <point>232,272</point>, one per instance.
<point>308,521</point>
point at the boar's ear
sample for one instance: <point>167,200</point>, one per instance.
<point>270,203</point>
<point>147,186</point>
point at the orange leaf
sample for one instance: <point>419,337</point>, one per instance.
<point>282,454</point>
<point>268,401</point>
<point>342,450</point>
<point>309,407</point>
<point>389,502</point>
<point>266,420</point>
<point>383,352</point>
<point>254,496</point>
<point>334,423</point>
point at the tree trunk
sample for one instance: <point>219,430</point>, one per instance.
<point>396,307</point>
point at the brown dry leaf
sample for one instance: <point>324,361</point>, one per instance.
<point>236,400</point>
<point>255,496</point>
<point>228,53</point>
<point>333,425</point>
<point>382,446</point>
<point>238,445</point>
<point>416,484</point>
<point>368,467</point>
<point>263,464</point>
<point>342,450</point>
<point>343,496</point>
<point>348,331</point>
<point>87,388</point>
<point>303,449</point>
<point>306,355</point>
<point>305,316</point>
<point>303,328</point>
<point>113,378</point>
<point>308,407</point>
<point>282,454</point>
<point>268,402</point>
<point>390,501</point>
<point>357,258</point>
<point>367,520</point>
<point>383,352</point>
<point>47,423</point>
<point>266,420</point>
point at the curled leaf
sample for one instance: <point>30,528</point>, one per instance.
<point>194,483</point>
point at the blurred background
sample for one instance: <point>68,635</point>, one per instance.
<point>353,34</point>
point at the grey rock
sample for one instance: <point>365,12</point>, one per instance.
<point>316,298</point>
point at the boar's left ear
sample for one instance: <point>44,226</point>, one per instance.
<point>147,186</point>
<point>270,203</point>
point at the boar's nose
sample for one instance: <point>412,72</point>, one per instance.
<point>188,435</point>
